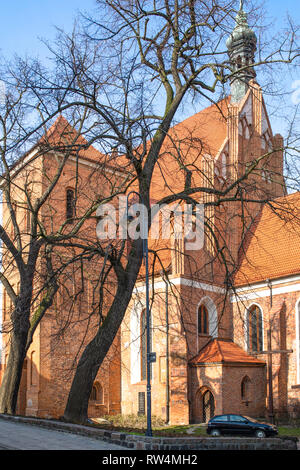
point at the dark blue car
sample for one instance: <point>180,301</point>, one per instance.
<point>232,424</point>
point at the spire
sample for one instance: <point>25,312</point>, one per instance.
<point>241,46</point>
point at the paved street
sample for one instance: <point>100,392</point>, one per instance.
<point>19,436</point>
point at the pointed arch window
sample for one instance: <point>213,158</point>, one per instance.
<point>143,344</point>
<point>203,324</point>
<point>97,393</point>
<point>245,388</point>
<point>70,205</point>
<point>254,329</point>
<point>93,396</point>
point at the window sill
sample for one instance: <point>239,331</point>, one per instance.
<point>295,387</point>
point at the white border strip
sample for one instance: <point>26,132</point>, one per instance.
<point>253,294</point>
<point>265,284</point>
<point>183,282</point>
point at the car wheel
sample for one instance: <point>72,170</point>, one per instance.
<point>215,433</point>
<point>260,433</point>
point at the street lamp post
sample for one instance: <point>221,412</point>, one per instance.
<point>149,356</point>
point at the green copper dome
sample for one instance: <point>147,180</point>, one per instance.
<point>242,31</point>
<point>241,46</point>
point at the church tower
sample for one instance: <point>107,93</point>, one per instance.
<point>241,46</point>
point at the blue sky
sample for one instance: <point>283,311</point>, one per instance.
<point>23,22</point>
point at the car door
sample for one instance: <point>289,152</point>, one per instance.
<point>221,423</point>
<point>239,425</point>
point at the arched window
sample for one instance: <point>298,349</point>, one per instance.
<point>143,340</point>
<point>254,329</point>
<point>203,325</point>
<point>33,371</point>
<point>97,393</point>
<point>94,394</point>
<point>143,344</point>
<point>245,388</point>
<point>70,205</point>
<point>208,406</point>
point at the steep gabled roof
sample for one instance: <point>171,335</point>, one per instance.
<point>224,351</point>
<point>209,127</point>
<point>272,245</point>
<point>62,136</point>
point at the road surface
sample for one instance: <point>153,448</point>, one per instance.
<point>20,436</point>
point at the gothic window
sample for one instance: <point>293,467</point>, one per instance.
<point>143,344</point>
<point>28,220</point>
<point>254,329</point>
<point>225,158</point>
<point>203,326</point>
<point>267,141</point>
<point>33,371</point>
<point>4,305</point>
<point>266,175</point>
<point>97,393</point>
<point>208,406</point>
<point>70,205</point>
<point>245,128</point>
<point>141,403</point>
<point>245,386</point>
<point>13,228</point>
<point>93,396</point>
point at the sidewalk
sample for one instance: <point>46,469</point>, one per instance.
<point>134,442</point>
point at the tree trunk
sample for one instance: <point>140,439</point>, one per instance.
<point>76,410</point>
<point>12,375</point>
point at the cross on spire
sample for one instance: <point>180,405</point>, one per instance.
<point>241,5</point>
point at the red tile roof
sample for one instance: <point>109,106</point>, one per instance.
<point>224,351</point>
<point>272,246</point>
<point>63,136</point>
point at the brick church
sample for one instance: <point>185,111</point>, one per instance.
<point>225,320</point>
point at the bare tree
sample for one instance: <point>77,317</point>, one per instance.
<point>37,210</point>
<point>175,47</point>
<point>123,81</point>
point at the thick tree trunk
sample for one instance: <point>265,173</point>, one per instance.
<point>12,376</point>
<point>76,410</point>
<point>90,362</point>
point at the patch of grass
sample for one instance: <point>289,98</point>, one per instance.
<point>134,424</point>
<point>133,421</point>
<point>200,431</point>
<point>289,431</point>
<point>172,430</point>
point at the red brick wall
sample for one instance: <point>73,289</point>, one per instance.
<point>281,318</point>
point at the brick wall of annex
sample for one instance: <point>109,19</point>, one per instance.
<point>281,319</point>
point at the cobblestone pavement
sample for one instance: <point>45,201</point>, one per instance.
<point>19,436</point>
